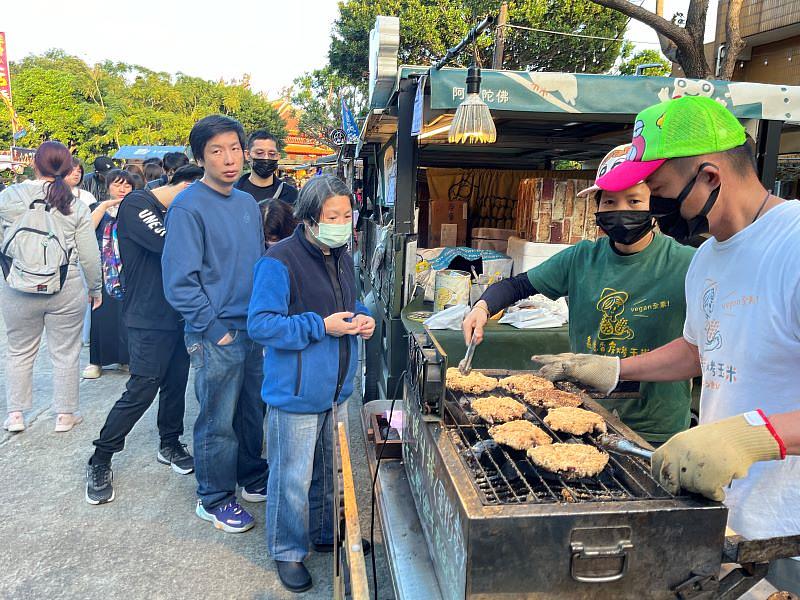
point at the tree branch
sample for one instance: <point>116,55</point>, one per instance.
<point>733,39</point>
<point>668,29</point>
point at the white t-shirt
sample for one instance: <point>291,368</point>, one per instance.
<point>743,314</point>
<point>86,197</point>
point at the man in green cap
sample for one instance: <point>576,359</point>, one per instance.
<point>742,329</point>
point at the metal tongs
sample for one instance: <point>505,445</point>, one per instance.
<point>465,365</point>
<point>620,445</point>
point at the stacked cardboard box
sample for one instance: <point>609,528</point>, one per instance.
<point>549,210</point>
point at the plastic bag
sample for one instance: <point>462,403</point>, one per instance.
<point>449,318</point>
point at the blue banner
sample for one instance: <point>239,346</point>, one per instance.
<point>349,124</point>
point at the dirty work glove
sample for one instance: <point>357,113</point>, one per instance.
<point>598,372</point>
<point>707,458</point>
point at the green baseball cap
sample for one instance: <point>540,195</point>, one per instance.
<point>686,126</point>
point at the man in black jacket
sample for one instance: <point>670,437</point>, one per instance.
<point>95,183</point>
<point>261,183</point>
<point>159,362</point>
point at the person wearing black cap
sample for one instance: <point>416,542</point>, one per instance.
<point>95,183</point>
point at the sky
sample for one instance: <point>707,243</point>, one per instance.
<point>273,41</point>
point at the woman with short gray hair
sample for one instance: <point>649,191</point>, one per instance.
<point>304,311</point>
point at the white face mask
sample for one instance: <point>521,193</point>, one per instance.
<point>333,235</point>
<point>112,210</point>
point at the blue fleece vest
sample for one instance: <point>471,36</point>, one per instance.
<point>292,294</point>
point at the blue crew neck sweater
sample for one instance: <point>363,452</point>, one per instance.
<point>213,242</point>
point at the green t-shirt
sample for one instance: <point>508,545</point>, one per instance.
<point>624,306</point>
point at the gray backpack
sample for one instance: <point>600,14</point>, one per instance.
<point>34,252</point>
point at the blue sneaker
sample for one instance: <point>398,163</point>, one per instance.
<point>254,495</point>
<point>230,517</point>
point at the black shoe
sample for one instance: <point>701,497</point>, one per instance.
<point>294,576</point>
<point>324,548</point>
<point>98,483</point>
<point>177,457</point>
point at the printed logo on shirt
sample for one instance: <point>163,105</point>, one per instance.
<point>613,326</point>
<point>152,221</point>
<point>713,340</point>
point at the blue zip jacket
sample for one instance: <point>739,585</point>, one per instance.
<point>293,291</point>
<point>212,243</point>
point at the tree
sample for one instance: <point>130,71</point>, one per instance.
<point>318,96</point>
<point>96,109</point>
<point>682,39</point>
<point>429,27</point>
<point>631,60</point>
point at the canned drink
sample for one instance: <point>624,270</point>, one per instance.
<point>451,288</point>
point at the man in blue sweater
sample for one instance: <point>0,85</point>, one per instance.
<point>214,239</point>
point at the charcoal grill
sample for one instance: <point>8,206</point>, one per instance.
<point>499,527</point>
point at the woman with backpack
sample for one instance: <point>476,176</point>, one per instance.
<point>44,234</point>
<point>108,338</point>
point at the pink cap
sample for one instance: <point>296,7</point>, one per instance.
<point>616,159</point>
<point>628,174</point>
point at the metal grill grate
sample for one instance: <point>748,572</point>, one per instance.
<point>503,475</point>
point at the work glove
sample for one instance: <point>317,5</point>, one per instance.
<point>707,458</point>
<point>597,372</point>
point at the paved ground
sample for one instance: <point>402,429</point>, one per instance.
<point>147,543</point>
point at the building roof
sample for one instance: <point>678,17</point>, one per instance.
<point>145,152</point>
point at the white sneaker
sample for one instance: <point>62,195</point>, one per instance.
<point>66,421</point>
<point>14,423</point>
<point>92,372</point>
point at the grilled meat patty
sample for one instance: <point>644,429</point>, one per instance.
<point>520,435</point>
<point>498,409</point>
<point>575,421</point>
<point>573,460</point>
<point>474,383</point>
<point>552,398</point>
<point>520,384</point>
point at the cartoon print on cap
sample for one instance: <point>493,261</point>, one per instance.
<point>638,143</point>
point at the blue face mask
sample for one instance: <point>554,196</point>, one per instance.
<point>333,235</point>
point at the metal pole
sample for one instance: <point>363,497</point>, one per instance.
<point>500,37</point>
<point>768,144</point>
<point>468,39</point>
<point>640,68</point>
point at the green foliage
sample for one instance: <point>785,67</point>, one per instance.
<point>644,57</point>
<point>318,97</point>
<point>96,109</point>
<point>429,27</point>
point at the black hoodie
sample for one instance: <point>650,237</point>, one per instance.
<point>140,228</point>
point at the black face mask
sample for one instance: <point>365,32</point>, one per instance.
<point>625,226</point>
<point>264,167</point>
<point>667,212</point>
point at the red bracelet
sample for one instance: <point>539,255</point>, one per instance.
<point>771,429</point>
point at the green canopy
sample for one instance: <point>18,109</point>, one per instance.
<point>534,91</point>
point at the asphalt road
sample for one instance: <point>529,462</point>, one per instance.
<point>147,543</point>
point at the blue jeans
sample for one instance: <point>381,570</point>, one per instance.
<point>300,486</point>
<point>229,430</point>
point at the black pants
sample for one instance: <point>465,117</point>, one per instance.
<point>159,365</point>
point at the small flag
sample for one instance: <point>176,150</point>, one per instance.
<point>349,124</point>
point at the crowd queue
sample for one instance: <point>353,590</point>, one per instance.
<point>250,283</point>
<point>241,277</point>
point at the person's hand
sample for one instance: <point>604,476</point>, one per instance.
<point>365,324</point>
<point>112,202</point>
<point>95,302</point>
<point>226,339</point>
<point>707,458</point>
<point>475,321</point>
<point>598,372</point>
<point>337,326</point>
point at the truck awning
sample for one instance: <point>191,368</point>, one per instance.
<point>565,93</point>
